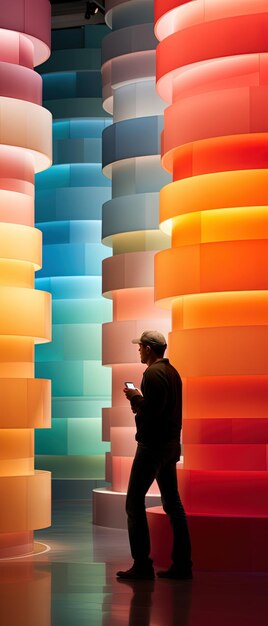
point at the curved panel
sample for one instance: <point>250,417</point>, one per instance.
<point>219,113</point>
<point>245,308</point>
<point>20,82</point>
<point>230,457</point>
<point>25,402</point>
<point>240,397</point>
<point>224,190</point>
<point>239,431</point>
<point>244,262</point>
<point>117,338</point>
<point>224,493</point>
<point>128,214</point>
<point>34,307</point>
<point>26,125</point>
<point>228,37</point>
<point>135,269</point>
<point>21,243</point>
<point>131,138</point>
<point>25,502</point>
<point>32,20</point>
<point>127,69</point>
<point>226,351</point>
<point>131,39</point>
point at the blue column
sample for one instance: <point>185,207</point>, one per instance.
<point>69,200</point>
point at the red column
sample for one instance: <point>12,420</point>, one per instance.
<point>212,69</point>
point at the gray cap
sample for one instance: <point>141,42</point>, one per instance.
<point>151,336</point>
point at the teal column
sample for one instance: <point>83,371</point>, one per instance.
<point>69,200</point>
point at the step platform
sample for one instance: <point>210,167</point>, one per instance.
<point>219,543</point>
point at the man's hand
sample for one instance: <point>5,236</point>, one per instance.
<point>130,393</point>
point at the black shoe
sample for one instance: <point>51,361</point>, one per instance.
<point>176,574</point>
<point>137,572</point>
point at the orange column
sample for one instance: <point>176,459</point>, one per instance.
<point>212,70</point>
<point>25,148</point>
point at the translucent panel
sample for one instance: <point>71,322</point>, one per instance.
<point>183,14</point>
<point>245,190</point>
<point>130,213</point>
<point>117,337</point>
<point>243,264</point>
<point>219,154</point>
<point>84,406</point>
<point>35,311</point>
<point>21,122</point>
<point>73,342</point>
<point>224,492</point>
<point>131,270</point>
<point>131,138</point>
<point>213,39</point>
<point>140,175</point>
<point>123,441</point>
<point>216,113</point>
<point>222,351</point>
<point>79,311</point>
<point>76,378</point>
<point>240,397</point>
<point>129,68</point>
<point>72,259</point>
<point>25,403</point>
<point>73,466</point>
<point>126,305</point>
<point>21,83</point>
<point>239,431</point>
<point>131,39</point>
<point>25,502</point>
<point>20,242</point>
<point>225,457</point>
<point>242,308</point>
<point>136,100</point>
<point>58,203</point>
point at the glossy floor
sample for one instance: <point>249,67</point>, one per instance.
<point>74,584</point>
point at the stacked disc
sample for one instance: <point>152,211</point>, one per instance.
<point>212,71</point>
<point>25,148</point>
<point>131,158</point>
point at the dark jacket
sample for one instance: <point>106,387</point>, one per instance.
<point>159,409</point>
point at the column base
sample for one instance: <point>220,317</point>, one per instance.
<point>218,543</point>
<point>16,544</point>
<point>109,507</point>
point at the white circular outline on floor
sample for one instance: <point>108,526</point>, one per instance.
<point>26,556</point>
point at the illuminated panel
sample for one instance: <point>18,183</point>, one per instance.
<point>212,72</point>
<point>69,199</point>
<point>131,158</point>
<point>25,316</point>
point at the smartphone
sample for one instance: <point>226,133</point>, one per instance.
<point>130,386</point>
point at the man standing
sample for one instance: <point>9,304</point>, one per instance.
<point>158,415</point>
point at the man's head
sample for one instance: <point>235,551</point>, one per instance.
<point>152,345</point>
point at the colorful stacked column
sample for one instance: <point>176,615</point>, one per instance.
<point>131,148</point>
<point>25,147</point>
<point>213,72</point>
<point>68,207</point>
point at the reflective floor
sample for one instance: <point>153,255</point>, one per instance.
<point>74,584</point>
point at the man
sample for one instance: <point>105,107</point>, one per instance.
<point>158,415</point>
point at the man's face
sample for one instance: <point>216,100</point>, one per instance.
<point>143,353</point>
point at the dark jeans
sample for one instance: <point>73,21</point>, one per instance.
<point>149,464</point>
